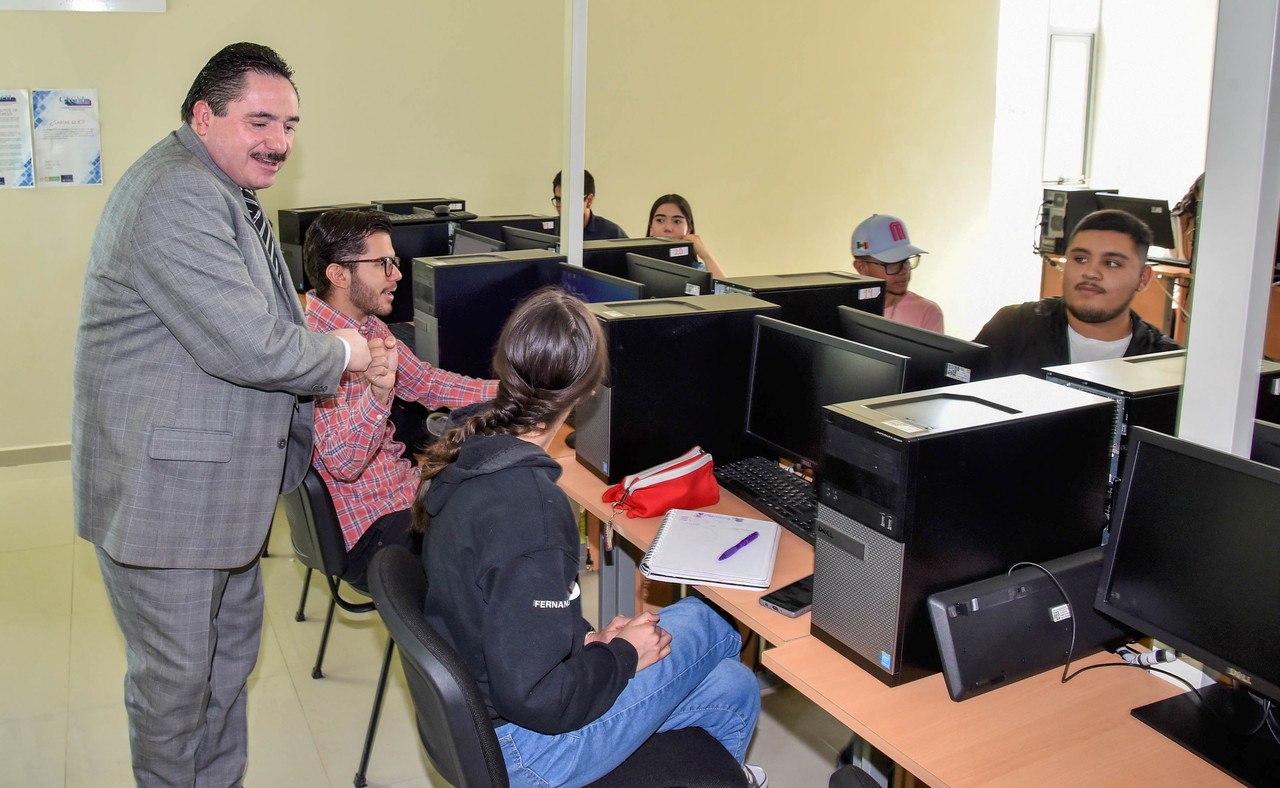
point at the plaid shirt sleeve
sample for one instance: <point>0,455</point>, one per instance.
<point>418,381</point>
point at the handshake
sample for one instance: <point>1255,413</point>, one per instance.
<point>377,358</point>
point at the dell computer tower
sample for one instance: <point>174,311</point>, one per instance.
<point>925,491</point>
<point>1062,210</point>
<point>291,227</point>
<point>462,301</point>
<point>415,235</point>
<point>1146,391</point>
<point>678,370</point>
<point>810,299</point>
<point>609,255</point>
<point>491,226</point>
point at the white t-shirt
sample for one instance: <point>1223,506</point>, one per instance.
<point>1085,349</point>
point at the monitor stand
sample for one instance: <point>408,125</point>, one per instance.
<point>1221,736</point>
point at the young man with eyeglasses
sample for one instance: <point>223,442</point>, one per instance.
<point>882,248</point>
<point>594,228</point>
<point>349,257</point>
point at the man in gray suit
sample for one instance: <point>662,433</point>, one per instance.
<point>193,377</point>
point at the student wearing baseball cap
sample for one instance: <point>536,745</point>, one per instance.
<point>882,248</point>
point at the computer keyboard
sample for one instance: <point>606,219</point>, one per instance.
<point>778,493</point>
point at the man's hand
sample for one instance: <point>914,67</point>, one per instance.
<point>381,374</point>
<point>359,360</point>
<point>651,641</point>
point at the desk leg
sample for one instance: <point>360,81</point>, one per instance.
<point>617,583</point>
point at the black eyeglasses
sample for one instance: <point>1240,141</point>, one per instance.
<point>389,264</point>
<point>892,269</point>
<point>555,201</point>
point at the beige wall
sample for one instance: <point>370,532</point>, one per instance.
<point>784,124</point>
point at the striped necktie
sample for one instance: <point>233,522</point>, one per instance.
<point>259,219</point>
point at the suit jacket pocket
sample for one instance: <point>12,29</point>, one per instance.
<point>168,443</point>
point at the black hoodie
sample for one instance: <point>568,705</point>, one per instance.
<point>501,557</point>
<point>1024,338</point>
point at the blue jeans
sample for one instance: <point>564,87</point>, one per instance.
<point>700,684</point>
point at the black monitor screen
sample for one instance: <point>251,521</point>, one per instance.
<point>1194,556</point>
<point>1266,443</point>
<point>1154,213</point>
<point>467,242</point>
<point>662,279</point>
<point>795,371</point>
<point>594,287</point>
<point>935,359</point>
<point>519,238</point>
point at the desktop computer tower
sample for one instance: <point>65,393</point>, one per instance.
<point>609,255</point>
<point>925,491</point>
<point>491,226</point>
<point>678,373</point>
<point>1061,211</point>
<point>462,301</point>
<point>291,228</point>
<point>1146,391</point>
<point>810,299</point>
<point>428,204</point>
<point>415,235</point>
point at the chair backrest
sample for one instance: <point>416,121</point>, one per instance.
<point>314,527</point>
<point>453,722</point>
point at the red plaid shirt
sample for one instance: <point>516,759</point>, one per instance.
<point>355,447</point>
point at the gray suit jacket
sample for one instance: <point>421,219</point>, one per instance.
<point>189,361</point>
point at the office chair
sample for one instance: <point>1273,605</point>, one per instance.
<point>454,724</point>
<point>317,540</point>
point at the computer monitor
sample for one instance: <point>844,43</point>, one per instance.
<point>594,287</point>
<point>1154,213</point>
<point>467,242</point>
<point>1266,443</point>
<point>934,359</point>
<point>795,371</point>
<point>662,279</point>
<point>1192,563</point>
<point>519,238</point>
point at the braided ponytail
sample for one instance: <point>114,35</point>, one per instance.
<point>550,355</point>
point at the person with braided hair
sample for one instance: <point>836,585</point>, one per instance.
<point>501,557</point>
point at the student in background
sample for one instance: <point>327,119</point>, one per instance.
<point>881,248</point>
<point>1106,266</point>
<point>594,227</point>
<point>501,556</point>
<point>671,217</point>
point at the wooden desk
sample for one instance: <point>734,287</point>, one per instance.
<point>1036,732</point>
<point>617,571</point>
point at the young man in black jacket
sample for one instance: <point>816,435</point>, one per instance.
<point>1106,266</point>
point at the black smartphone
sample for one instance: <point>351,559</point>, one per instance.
<point>793,599</point>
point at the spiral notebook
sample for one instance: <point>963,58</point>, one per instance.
<point>689,544</point>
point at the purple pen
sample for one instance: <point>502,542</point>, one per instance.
<point>751,537</point>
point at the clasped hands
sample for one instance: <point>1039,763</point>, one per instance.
<point>651,641</point>
<point>376,358</point>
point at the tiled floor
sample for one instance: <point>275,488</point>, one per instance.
<point>62,719</point>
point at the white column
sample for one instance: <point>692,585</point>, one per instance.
<point>575,128</point>
<point>1237,232</point>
